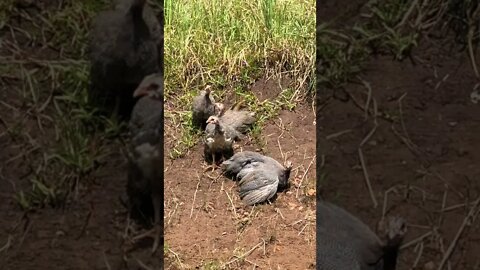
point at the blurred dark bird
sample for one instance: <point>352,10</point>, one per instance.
<point>145,173</point>
<point>203,107</point>
<point>260,176</point>
<point>125,46</point>
<point>346,243</point>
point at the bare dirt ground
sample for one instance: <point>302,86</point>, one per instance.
<point>88,231</point>
<point>208,227</point>
<point>421,160</point>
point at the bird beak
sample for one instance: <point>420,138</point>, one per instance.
<point>141,91</point>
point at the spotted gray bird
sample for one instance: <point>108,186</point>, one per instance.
<point>125,46</point>
<point>238,119</point>
<point>346,243</point>
<point>260,177</point>
<point>218,142</point>
<point>203,107</point>
<point>145,155</point>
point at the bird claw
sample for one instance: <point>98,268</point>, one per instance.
<point>154,233</point>
<point>212,167</point>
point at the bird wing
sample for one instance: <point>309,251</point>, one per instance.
<point>238,120</point>
<point>257,186</point>
<point>234,164</point>
<point>348,228</point>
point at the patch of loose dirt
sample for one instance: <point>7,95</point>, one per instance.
<point>205,220</point>
<point>432,160</point>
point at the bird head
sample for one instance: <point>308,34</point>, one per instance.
<point>212,120</point>
<point>147,157</point>
<point>219,108</point>
<point>288,165</point>
<point>393,230</point>
<point>152,86</point>
<point>208,90</point>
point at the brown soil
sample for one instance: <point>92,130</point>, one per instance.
<point>206,222</point>
<point>431,161</point>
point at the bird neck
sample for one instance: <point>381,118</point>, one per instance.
<point>140,28</point>
<point>390,257</point>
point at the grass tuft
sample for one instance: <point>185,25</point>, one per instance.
<point>230,44</point>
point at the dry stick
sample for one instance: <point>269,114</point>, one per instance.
<point>244,254</point>
<point>7,245</point>
<point>338,134</point>
<point>453,244</point>
<point>419,255</point>
<point>176,257</point>
<point>305,174</point>
<point>385,200</point>
<point>470,41</point>
<point>407,14</point>
<point>444,202</point>
<point>367,179</point>
<point>141,264</point>
<point>195,195</point>
<point>105,259</point>
<point>416,240</point>
<point>369,96</point>
<point>362,160</point>
<point>454,207</point>
<point>231,202</point>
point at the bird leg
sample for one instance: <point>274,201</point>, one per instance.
<point>156,232</point>
<point>213,166</point>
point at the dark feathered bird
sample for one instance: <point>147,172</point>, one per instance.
<point>125,46</point>
<point>239,120</point>
<point>203,107</point>
<point>260,176</point>
<point>145,175</point>
<point>346,243</point>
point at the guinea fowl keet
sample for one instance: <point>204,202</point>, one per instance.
<point>125,46</point>
<point>145,176</point>
<point>239,120</point>
<point>346,243</point>
<point>218,142</point>
<point>203,107</point>
<point>260,177</point>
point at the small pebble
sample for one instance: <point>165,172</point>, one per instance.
<point>452,124</point>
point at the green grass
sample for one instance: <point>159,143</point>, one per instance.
<point>230,44</point>
<point>72,148</point>
<point>389,27</point>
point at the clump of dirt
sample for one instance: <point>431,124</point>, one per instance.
<point>206,222</point>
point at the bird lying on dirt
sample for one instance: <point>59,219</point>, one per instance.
<point>239,120</point>
<point>218,142</point>
<point>203,107</point>
<point>125,46</point>
<point>345,242</point>
<point>145,173</point>
<point>260,176</point>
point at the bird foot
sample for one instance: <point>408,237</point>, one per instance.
<point>211,167</point>
<point>154,233</point>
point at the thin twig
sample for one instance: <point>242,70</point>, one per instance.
<point>453,244</point>
<point>244,254</point>
<point>195,196</point>
<point>305,174</point>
